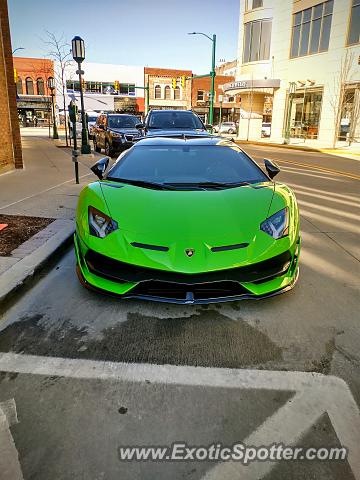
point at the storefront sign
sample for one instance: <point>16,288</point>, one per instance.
<point>247,84</point>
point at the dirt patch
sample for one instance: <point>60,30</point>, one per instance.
<point>19,230</point>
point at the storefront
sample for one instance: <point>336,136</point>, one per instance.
<point>33,110</point>
<point>304,109</point>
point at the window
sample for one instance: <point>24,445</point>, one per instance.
<point>167,93</point>
<point>354,27</point>
<point>127,89</point>
<point>311,30</point>
<point>157,91</point>
<point>40,86</point>
<point>200,95</point>
<point>29,86</point>
<point>19,87</point>
<point>305,113</point>
<point>177,93</point>
<point>251,4</point>
<point>257,39</point>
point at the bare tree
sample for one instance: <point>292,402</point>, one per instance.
<point>59,51</point>
<point>339,93</point>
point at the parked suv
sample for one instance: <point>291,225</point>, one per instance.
<point>170,122</point>
<point>115,132</point>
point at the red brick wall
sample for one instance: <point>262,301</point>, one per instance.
<point>205,85</point>
<point>10,141</point>
<point>34,68</point>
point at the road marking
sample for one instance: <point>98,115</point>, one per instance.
<point>314,394</point>
<point>9,458</point>
<point>316,167</point>
<point>43,191</point>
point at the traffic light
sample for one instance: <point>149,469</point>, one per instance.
<point>116,85</point>
<point>15,75</point>
<point>173,82</point>
<point>183,81</point>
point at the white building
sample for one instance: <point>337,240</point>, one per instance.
<point>107,87</point>
<point>299,60</point>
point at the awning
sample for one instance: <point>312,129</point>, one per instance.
<point>262,85</point>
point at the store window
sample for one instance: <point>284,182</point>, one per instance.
<point>354,27</point>
<point>349,121</point>
<point>177,93</point>
<point>304,108</point>
<point>167,92</point>
<point>200,95</point>
<point>29,86</point>
<point>19,87</point>
<point>127,89</point>
<point>257,39</point>
<point>157,91</point>
<point>40,86</point>
<point>251,4</point>
<point>311,30</point>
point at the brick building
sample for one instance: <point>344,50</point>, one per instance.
<point>230,104</point>
<point>10,151</point>
<point>33,95</point>
<point>162,95</point>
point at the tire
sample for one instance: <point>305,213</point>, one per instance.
<point>108,150</point>
<point>231,131</point>
<point>96,148</point>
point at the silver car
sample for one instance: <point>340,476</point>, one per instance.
<point>226,127</point>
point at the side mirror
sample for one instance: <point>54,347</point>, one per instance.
<point>100,167</point>
<point>140,126</point>
<point>271,168</point>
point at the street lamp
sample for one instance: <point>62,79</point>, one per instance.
<point>18,48</point>
<point>51,85</point>
<point>212,73</point>
<point>78,53</point>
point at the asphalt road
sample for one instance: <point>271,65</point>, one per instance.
<point>70,425</point>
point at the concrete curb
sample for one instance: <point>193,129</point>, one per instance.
<point>17,275</point>
<point>279,145</point>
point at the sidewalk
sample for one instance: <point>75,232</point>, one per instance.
<point>46,186</point>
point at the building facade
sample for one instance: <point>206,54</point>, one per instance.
<point>227,106</point>
<point>106,87</point>
<point>10,151</point>
<point>299,60</point>
<point>33,95</point>
<point>162,94</point>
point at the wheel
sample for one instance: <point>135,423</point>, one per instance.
<point>108,150</point>
<point>231,130</point>
<point>96,148</point>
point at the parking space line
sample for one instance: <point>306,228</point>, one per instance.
<point>314,395</point>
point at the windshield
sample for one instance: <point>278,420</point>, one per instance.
<point>92,119</point>
<point>174,120</point>
<point>122,121</point>
<point>187,165</point>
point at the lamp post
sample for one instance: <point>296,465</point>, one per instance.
<point>292,90</point>
<point>16,49</point>
<point>78,53</point>
<point>51,85</point>
<point>220,98</point>
<point>212,73</point>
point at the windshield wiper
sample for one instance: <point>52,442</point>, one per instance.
<point>219,185</point>
<point>142,183</point>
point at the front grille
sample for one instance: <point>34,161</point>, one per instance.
<point>197,291</point>
<point>115,270</point>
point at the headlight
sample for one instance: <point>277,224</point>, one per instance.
<point>277,225</point>
<point>100,224</point>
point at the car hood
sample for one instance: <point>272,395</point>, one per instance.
<point>179,220</point>
<point>176,132</point>
<point>131,131</point>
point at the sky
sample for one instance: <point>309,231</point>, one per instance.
<point>131,32</point>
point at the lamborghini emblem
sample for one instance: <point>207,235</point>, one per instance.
<point>189,252</point>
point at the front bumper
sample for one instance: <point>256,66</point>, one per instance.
<point>265,279</point>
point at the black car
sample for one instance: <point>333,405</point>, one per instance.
<point>115,132</point>
<point>176,122</point>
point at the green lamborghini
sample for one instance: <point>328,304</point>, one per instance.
<point>187,220</point>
